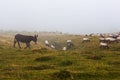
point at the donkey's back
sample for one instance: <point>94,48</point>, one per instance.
<point>23,38</point>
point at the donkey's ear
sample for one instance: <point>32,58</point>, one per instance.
<point>36,35</point>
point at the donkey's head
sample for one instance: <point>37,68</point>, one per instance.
<point>35,39</point>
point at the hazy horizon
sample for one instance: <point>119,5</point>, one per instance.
<point>68,16</point>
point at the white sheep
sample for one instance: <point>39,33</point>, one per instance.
<point>101,39</point>
<point>64,48</point>
<point>69,41</point>
<point>113,35</point>
<point>47,43</point>
<point>103,45</point>
<point>109,40</point>
<point>86,40</point>
<point>69,44</point>
<point>118,38</point>
<point>52,46</point>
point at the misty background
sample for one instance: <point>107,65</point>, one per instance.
<point>69,16</point>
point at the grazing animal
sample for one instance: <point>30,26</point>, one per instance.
<point>101,35</point>
<point>24,39</point>
<point>69,44</point>
<point>64,48</point>
<point>101,39</point>
<point>86,40</point>
<point>118,38</point>
<point>47,43</point>
<point>110,40</point>
<point>113,35</point>
<point>52,46</point>
<point>103,45</point>
<point>69,41</point>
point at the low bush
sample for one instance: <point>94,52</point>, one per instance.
<point>66,63</point>
<point>41,67</point>
<point>62,75</point>
<point>94,57</point>
<point>44,58</point>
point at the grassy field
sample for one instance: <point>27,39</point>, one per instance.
<point>85,61</point>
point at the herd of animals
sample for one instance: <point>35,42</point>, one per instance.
<point>104,41</point>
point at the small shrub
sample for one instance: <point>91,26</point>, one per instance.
<point>8,69</point>
<point>115,49</point>
<point>45,58</point>
<point>66,63</point>
<point>115,62</point>
<point>1,47</point>
<point>62,75</point>
<point>41,67</point>
<point>42,50</point>
<point>87,52</point>
<point>94,57</point>
<point>88,76</point>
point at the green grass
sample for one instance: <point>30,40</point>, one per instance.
<point>85,61</point>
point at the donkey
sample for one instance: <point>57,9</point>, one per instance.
<point>24,39</point>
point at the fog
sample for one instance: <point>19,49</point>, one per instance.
<point>69,16</point>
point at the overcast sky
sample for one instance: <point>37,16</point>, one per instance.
<point>72,16</point>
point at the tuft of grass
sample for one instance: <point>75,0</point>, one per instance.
<point>87,52</point>
<point>41,67</point>
<point>1,47</point>
<point>42,50</point>
<point>62,75</point>
<point>66,63</point>
<point>44,58</point>
<point>94,57</point>
<point>115,49</point>
<point>114,62</point>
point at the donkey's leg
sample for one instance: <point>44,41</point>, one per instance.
<point>27,45</point>
<point>14,43</point>
<point>19,44</point>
